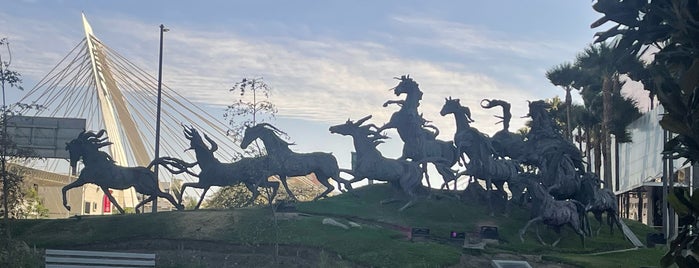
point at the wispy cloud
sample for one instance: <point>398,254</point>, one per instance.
<point>321,79</point>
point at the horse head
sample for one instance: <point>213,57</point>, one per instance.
<point>258,131</point>
<point>407,85</point>
<point>349,127</point>
<point>453,106</point>
<point>196,143</point>
<point>86,140</point>
<point>538,108</point>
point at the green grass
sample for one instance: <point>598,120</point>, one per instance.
<point>371,245</point>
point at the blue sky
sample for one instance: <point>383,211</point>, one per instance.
<point>326,60</point>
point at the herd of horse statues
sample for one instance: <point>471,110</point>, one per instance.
<point>541,167</point>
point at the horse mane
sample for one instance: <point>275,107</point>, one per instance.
<point>277,132</point>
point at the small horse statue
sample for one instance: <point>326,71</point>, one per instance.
<point>252,172</point>
<point>370,164</point>
<point>476,145</point>
<point>600,201</point>
<point>505,143</point>
<point>554,213</point>
<point>101,170</point>
<point>286,163</point>
<point>420,142</point>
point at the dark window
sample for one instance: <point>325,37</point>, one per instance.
<point>87,207</point>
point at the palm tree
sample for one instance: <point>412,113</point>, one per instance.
<point>601,62</point>
<point>564,75</point>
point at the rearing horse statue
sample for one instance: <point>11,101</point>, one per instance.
<point>101,171</point>
<point>420,143</point>
<point>286,163</point>
<point>476,145</point>
<point>558,160</point>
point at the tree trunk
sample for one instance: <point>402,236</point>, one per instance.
<point>569,102</point>
<point>606,123</point>
<point>588,146</point>
<point>598,149</point>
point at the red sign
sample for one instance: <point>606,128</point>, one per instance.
<point>106,204</point>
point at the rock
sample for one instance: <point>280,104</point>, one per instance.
<point>330,221</point>
<point>354,224</point>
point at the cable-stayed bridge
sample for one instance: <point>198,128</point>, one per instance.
<point>95,82</point>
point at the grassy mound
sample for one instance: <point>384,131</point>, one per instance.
<point>380,242</point>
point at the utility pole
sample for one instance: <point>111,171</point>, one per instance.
<point>157,120</point>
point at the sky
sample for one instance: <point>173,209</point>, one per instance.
<point>326,61</point>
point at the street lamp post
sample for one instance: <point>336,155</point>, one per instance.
<point>157,120</point>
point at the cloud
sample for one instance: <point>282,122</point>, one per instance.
<point>321,79</point>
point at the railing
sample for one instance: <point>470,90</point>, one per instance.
<point>77,258</point>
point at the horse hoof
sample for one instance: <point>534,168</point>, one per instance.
<point>68,208</point>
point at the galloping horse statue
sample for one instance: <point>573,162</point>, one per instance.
<point>370,164</point>
<point>476,145</point>
<point>554,213</point>
<point>286,163</point>
<point>252,172</point>
<point>600,200</point>
<point>559,161</point>
<point>420,143</point>
<point>101,170</point>
<point>505,143</point>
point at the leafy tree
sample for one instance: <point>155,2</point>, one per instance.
<point>673,76</point>
<point>564,75</point>
<point>252,106</point>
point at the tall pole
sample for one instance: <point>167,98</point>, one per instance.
<point>157,119</point>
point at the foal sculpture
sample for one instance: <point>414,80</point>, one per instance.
<point>101,170</point>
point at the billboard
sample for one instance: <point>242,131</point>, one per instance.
<point>46,136</point>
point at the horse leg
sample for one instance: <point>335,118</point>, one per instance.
<point>150,198</point>
<point>526,226</point>
<point>328,188</point>
<point>255,193</point>
<point>201,199</point>
<point>598,217</point>
<point>170,199</point>
<point>111,199</point>
<point>488,188</point>
<point>558,231</point>
<point>447,175</point>
<point>77,183</point>
<point>275,187</point>
<point>538,236</point>
<point>286,187</point>
<point>427,176</point>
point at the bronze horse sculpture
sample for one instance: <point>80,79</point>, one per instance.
<point>101,170</point>
<point>286,163</point>
<point>476,145</point>
<point>252,172</point>
<point>600,200</point>
<point>558,160</point>
<point>554,213</point>
<point>505,143</point>
<point>420,143</point>
<point>370,164</point>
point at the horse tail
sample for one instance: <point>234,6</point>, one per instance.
<point>582,214</point>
